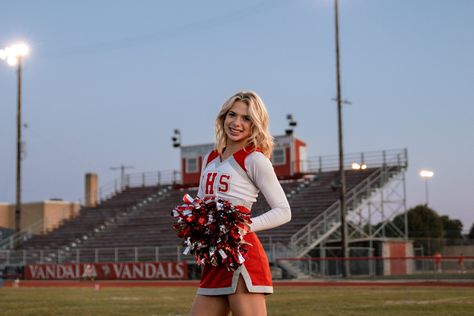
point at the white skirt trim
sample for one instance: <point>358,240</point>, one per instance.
<point>265,289</point>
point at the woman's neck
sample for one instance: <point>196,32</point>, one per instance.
<point>231,149</point>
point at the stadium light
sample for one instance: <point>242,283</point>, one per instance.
<point>14,55</point>
<point>426,174</point>
<point>176,139</point>
<point>291,124</point>
<point>356,166</point>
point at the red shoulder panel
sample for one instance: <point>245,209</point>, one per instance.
<point>242,154</point>
<point>212,155</point>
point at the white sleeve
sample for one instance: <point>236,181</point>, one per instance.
<point>260,170</point>
<point>200,194</point>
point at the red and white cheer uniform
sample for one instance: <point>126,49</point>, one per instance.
<point>238,179</point>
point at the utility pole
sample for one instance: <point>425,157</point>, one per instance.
<point>342,178</point>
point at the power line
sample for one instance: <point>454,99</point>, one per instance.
<point>149,38</point>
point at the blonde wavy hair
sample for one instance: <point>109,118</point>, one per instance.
<point>260,136</point>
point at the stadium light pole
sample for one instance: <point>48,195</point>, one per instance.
<point>14,55</point>
<point>342,178</point>
<point>426,174</point>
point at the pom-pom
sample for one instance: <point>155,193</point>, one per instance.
<point>213,231</point>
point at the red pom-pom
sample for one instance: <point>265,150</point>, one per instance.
<point>213,231</point>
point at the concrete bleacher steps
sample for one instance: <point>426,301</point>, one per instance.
<point>111,226</point>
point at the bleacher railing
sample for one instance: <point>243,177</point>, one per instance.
<point>141,179</point>
<point>386,268</point>
<point>372,159</point>
<point>92,255</point>
<point>24,234</point>
<point>322,226</point>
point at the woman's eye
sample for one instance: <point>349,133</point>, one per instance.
<point>232,114</point>
<point>247,119</point>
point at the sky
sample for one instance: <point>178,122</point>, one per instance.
<point>108,81</point>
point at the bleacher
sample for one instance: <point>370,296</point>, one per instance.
<point>90,219</point>
<point>112,225</point>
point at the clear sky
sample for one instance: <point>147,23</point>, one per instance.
<point>108,81</point>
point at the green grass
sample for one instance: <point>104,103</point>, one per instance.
<point>324,301</point>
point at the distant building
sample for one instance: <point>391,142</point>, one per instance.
<point>46,215</point>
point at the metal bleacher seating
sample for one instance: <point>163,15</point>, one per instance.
<point>115,224</point>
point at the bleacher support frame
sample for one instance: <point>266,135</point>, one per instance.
<point>373,196</point>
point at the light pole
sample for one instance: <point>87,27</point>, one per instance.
<point>426,174</point>
<point>14,56</point>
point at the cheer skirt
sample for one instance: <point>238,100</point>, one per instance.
<point>255,271</point>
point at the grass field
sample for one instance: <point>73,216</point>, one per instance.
<point>324,301</point>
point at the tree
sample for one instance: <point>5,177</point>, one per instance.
<point>423,222</point>
<point>452,227</point>
<point>471,232</point>
<point>425,227</point>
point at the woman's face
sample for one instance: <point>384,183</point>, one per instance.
<point>237,124</point>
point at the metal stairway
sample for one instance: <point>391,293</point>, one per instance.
<point>327,224</point>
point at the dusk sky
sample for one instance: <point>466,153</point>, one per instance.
<point>107,82</point>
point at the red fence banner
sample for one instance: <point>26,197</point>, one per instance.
<point>108,271</point>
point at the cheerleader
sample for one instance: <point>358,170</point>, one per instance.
<point>236,171</point>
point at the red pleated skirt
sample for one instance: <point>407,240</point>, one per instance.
<point>255,271</point>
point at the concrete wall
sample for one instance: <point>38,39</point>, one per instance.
<point>51,212</point>
<point>454,251</point>
<point>4,215</point>
<point>55,212</point>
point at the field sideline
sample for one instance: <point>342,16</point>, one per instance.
<point>287,300</point>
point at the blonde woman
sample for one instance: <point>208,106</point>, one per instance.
<point>236,171</point>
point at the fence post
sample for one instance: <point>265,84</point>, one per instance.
<point>143,179</point>
<point>136,254</point>
<point>322,263</point>
<point>157,254</point>
<point>178,254</point>
<point>310,267</point>
<point>96,254</point>
<point>24,257</point>
<point>78,256</point>
<point>273,252</point>
<point>41,256</point>
<point>116,255</point>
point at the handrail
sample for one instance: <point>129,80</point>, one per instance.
<point>335,206</point>
<point>330,216</point>
<point>140,179</point>
<point>373,159</point>
<point>11,240</point>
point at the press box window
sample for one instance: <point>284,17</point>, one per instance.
<point>279,156</point>
<point>191,165</point>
